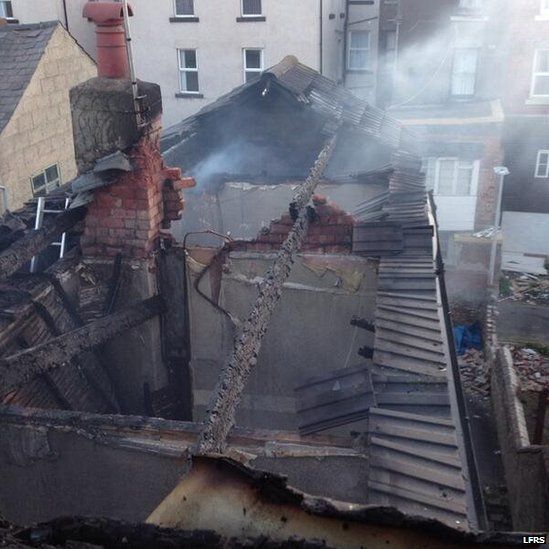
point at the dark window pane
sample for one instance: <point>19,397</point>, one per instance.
<point>542,64</point>
<point>190,59</point>
<point>184,7</point>
<point>251,7</point>
<point>192,81</point>
<point>252,76</point>
<point>52,173</point>
<point>253,59</point>
<point>38,182</point>
<point>5,9</point>
<point>360,39</point>
<point>541,85</point>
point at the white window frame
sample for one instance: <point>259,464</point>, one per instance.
<point>183,16</point>
<point>250,14</point>
<point>368,49</point>
<point>6,2</point>
<point>470,4</point>
<point>48,185</point>
<point>262,59</point>
<point>535,74</point>
<point>475,170</point>
<point>538,164</point>
<point>186,69</point>
<point>454,74</point>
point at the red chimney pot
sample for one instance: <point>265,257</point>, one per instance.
<point>112,56</point>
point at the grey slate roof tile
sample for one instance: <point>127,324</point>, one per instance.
<point>21,48</point>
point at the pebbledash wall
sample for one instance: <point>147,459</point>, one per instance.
<point>39,133</point>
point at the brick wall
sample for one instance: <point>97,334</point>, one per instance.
<point>128,216</point>
<point>39,133</point>
<point>331,232</point>
<point>488,182</point>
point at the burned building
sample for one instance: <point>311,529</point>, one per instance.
<point>298,386</point>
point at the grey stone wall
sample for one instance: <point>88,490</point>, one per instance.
<point>526,465</point>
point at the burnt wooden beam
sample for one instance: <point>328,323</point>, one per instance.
<point>19,368</point>
<point>24,249</point>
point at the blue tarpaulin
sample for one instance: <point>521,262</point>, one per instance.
<point>468,337</point>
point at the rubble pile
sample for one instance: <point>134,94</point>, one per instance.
<point>532,369</point>
<point>526,287</point>
<point>474,372</point>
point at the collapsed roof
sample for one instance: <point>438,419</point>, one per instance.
<point>272,130</point>
<point>418,452</point>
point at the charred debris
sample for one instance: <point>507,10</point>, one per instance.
<point>249,418</point>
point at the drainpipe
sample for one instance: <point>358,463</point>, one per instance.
<point>66,15</point>
<point>501,172</point>
<point>345,31</point>
<point>112,56</point>
<point>321,35</point>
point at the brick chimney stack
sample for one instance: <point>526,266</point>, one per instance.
<point>128,215</point>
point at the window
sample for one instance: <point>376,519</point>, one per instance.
<point>188,71</point>
<point>251,8</point>
<point>464,72</point>
<point>6,11</point>
<point>452,176</point>
<point>253,64</point>
<point>542,164</point>
<point>470,4</point>
<point>540,77</point>
<point>46,181</point>
<point>544,9</point>
<point>358,57</point>
<point>184,8</point>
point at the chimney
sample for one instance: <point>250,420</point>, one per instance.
<point>112,58</point>
<point>128,216</point>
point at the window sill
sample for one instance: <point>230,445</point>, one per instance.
<point>542,17</point>
<point>359,71</point>
<point>189,95</point>
<point>179,19</point>
<point>537,101</point>
<point>251,19</point>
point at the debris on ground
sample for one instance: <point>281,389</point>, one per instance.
<point>532,368</point>
<point>474,372</point>
<point>524,287</point>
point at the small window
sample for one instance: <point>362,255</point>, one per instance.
<point>253,64</point>
<point>251,8</point>
<point>451,176</point>
<point>188,71</point>
<point>470,4</point>
<point>359,50</point>
<point>542,164</point>
<point>544,9</point>
<point>464,72</point>
<point>540,77</point>
<point>46,181</point>
<point>184,8</point>
<point>6,11</point>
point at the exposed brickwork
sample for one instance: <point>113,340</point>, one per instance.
<point>488,182</point>
<point>127,216</point>
<point>331,232</point>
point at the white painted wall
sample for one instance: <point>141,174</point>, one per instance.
<point>525,232</point>
<point>291,27</point>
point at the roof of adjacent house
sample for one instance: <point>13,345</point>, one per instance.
<point>21,48</point>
